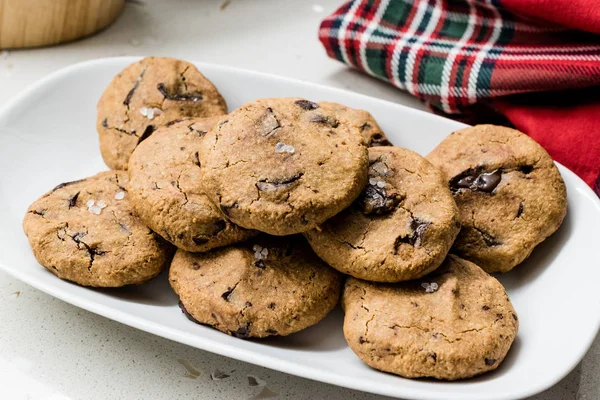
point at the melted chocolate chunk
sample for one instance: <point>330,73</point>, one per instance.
<point>225,209</point>
<point>376,200</point>
<point>269,123</point>
<point>415,238</point>
<point>186,313</point>
<point>194,97</point>
<point>73,200</point>
<point>219,226</point>
<point>485,308</point>
<point>526,169</point>
<point>132,91</point>
<point>476,180</point>
<point>243,331</point>
<point>325,119</point>
<point>277,184</point>
<point>306,105</point>
<point>65,184</point>
<point>199,240</point>
<point>227,294</point>
<point>147,132</point>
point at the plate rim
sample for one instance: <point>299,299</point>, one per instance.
<point>245,355</point>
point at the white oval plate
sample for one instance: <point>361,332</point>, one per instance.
<point>48,136</point>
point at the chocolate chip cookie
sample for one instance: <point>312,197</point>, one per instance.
<point>401,227</point>
<point>361,120</point>
<point>510,194</point>
<point>455,323</point>
<point>85,232</point>
<point>165,189</point>
<point>146,95</point>
<point>266,286</point>
<point>282,166</point>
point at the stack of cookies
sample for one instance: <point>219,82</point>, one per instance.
<point>279,208</point>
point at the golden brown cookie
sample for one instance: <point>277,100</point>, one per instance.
<point>266,286</point>
<point>282,166</point>
<point>147,94</point>
<point>510,194</point>
<point>401,227</point>
<point>455,323</point>
<point>85,232</point>
<point>166,193</point>
<point>362,120</point>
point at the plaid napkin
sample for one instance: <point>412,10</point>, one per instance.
<point>475,58</point>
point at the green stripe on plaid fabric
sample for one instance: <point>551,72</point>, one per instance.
<point>453,54</point>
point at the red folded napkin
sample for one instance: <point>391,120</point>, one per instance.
<point>475,59</point>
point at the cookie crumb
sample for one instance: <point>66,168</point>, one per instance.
<point>429,287</point>
<point>120,195</point>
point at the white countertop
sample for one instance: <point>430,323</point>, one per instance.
<point>54,351</point>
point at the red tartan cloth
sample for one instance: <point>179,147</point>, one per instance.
<point>462,56</point>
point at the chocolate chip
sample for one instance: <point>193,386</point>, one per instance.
<point>197,159</point>
<point>147,132</point>
<point>499,316</point>
<point>243,331</point>
<point>306,105</point>
<point>526,169</point>
<point>378,140</point>
<point>490,361</point>
<point>248,304</point>
<point>227,294</point>
<point>271,306</point>
<point>485,308</point>
<point>376,200</point>
<point>194,97</point>
<point>514,317</point>
<point>415,238</point>
<point>520,210</point>
<point>271,331</point>
<point>269,123</point>
<point>277,184</point>
<point>489,239</point>
<point>73,200</point>
<point>186,313</point>
<point>477,180</point>
<point>325,119</point>
<point>175,121</point>
<point>362,340</point>
<point>105,123</point>
<point>199,240</point>
<point>195,266</point>
<point>65,184</point>
<point>433,356</point>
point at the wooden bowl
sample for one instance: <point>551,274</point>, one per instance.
<point>28,23</point>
